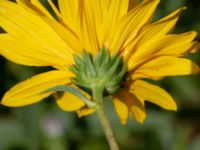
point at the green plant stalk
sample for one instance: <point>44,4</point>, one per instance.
<point>105,123</point>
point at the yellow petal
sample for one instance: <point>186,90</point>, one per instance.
<point>84,111</point>
<point>31,32</point>
<point>32,90</point>
<point>137,109</point>
<point>196,47</point>
<point>153,94</point>
<point>166,66</point>
<point>153,32</point>
<point>126,103</point>
<point>67,35</point>
<point>121,107</point>
<point>34,8</point>
<point>133,3</point>
<point>128,27</point>
<point>109,13</point>
<point>98,18</point>
<point>39,5</point>
<point>89,37</point>
<point>26,54</point>
<point>161,27</point>
<point>55,9</point>
<point>70,12</point>
<point>69,102</point>
<point>117,8</point>
<point>175,45</point>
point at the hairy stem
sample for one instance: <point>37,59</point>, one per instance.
<point>105,123</point>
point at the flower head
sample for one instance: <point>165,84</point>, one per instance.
<point>107,46</point>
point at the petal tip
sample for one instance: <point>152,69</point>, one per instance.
<point>123,121</point>
<point>141,121</point>
<point>196,47</point>
<point>195,69</point>
<point>172,106</point>
<point>175,107</point>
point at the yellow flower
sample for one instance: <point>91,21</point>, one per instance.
<point>123,28</point>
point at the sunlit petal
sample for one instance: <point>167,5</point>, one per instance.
<point>153,94</point>
<point>33,90</point>
<point>69,102</point>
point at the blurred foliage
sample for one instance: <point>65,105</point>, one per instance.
<point>44,126</point>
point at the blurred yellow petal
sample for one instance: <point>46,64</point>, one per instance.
<point>31,7</point>
<point>70,12</point>
<point>176,45</point>
<point>166,66</point>
<point>196,47</point>
<point>169,45</point>
<point>108,14</point>
<point>153,32</point>
<point>54,9</point>
<point>133,3</point>
<point>32,90</point>
<point>84,111</point>
<point>39,8</point>
<point>153,94</point>
<point>98,19</point>
<point>68,36</point>
<point>39,5</point>
<point>137,109</point>
<point>26,54</point>
<point>126,103</point>
<point>31,33</point>
<point>69,102</point>
<point>129,26</point>
<point>121,106</point>
<point>89,27</point>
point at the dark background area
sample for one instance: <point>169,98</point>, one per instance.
<point>43,126</point>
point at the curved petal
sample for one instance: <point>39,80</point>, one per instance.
<point>165,66</point>
<point>121,107</point>
<point>196,47</point>
<point>27,54</point>
<point>161,27</point>
<point>33,90</point>
<point>129,25</point>
<point>70,13</point>
<point>153,32</point>
<point>153,94</point>
<point>85,111</point>
<point>169,45</point>
<point>110,12</point>
<point>98,18</point>
<point>126,103</point>
<point>69,102</point>
<point>133,3</point>
<point>137,109</point>
<point>176,45</point>
<point>88,28</point>
<point>39,5</point>
<point>33,36</point>
<point>77,16</point>
<point>67,35</point>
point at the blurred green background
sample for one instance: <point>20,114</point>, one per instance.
<point>44,126</point>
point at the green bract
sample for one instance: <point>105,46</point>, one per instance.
<point>105,71</point>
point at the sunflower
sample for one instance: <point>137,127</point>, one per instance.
<point>98,49</point>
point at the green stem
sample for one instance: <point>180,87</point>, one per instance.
<point>105,123</point>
